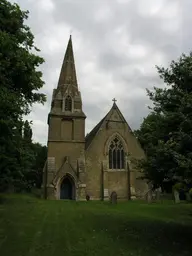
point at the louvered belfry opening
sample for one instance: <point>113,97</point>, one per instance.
<point>68,103</point>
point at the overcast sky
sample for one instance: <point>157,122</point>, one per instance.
<point>117,44</point>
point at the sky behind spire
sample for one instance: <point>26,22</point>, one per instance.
<point>116,44</point>
<point>68,72</point>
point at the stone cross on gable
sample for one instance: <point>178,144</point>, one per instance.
<point>114,100</point>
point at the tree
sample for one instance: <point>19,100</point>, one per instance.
<point>150,136</point>
<point>27,132</point>
<point>40,158</point>
<point>20,81</point>
<point>32,160</point>
<point>166,133</point>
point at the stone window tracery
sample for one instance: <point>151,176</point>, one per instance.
<point>116,154</point>
<point>68,103</point>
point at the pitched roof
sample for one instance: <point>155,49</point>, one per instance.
<point>90,136</point>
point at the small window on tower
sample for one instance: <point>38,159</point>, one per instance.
<point>68,103</point>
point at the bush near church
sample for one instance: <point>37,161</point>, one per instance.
<point>183,188</point>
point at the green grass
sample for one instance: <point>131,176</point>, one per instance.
<point>30,226</point>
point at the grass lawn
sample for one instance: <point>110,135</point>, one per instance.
<point>30,226</point>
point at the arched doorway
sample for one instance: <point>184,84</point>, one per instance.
<point>67,188</point>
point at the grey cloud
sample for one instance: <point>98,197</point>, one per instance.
<point>114,71</point>
<point>110,60</point>
<point>93,112</point>
<point>186,32</point>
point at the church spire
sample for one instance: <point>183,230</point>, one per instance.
<point>68,72</point>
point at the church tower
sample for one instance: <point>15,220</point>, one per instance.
<point>65,169</point>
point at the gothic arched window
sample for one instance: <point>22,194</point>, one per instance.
<point>68,103</point>
<point>116,154</point>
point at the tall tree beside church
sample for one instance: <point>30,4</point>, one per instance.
<point>20,81</point>
<point>40,153</point>
<point>27,132</point>
<point>166,133</point>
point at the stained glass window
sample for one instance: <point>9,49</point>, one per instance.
<point>116,154</point>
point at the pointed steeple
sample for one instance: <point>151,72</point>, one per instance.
<point>68,72</point>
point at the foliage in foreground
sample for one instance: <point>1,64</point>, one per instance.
<point>31,158</point>
<point>20,81</point>
<point>166,133</point>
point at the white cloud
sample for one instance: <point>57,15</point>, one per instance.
<point>137,51</point>
<point>123,1</point>
<point>151,7</point>
<point>103,14</point>
<point>46,5</point>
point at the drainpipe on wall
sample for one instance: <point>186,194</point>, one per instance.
<point>128,181</point>
<point>102,182</point>
<point>44,183</point>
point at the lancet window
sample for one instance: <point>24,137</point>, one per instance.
<point>68,103</point>
<point>116,154</point>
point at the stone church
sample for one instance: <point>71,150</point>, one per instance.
<point>94,165</point>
